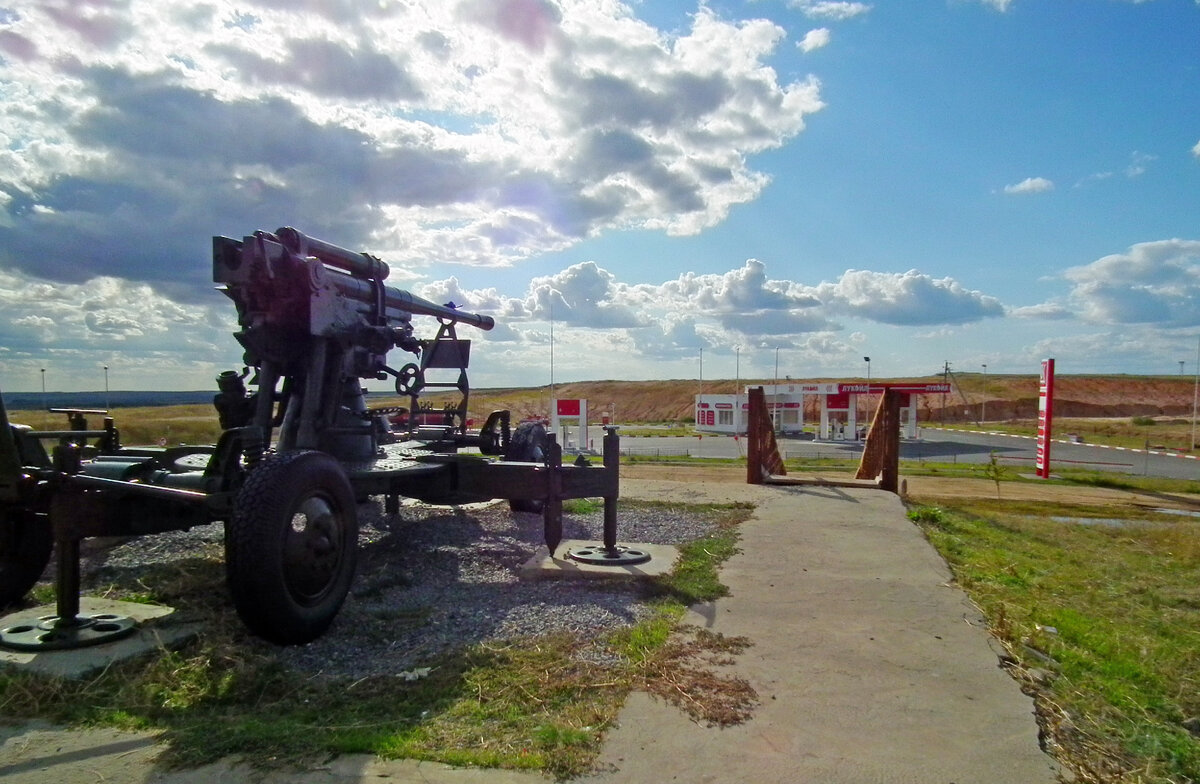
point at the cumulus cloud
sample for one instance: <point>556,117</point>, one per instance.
<point>1030,185</point>
<point>910,299</point>
<point>1151,283</point>
<point>815,39</point>
<point>144,334</point>
<point>743,306</point>
<point>582,295</point>
<point>471,132</point>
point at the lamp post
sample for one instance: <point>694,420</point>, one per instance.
<point>868,361</point>
<point>106,406</point>
<point>737,389</point>
<point>775,394</point>
<point>1195,396</point>
<point>983,402</point>
<point>1181,366</point>
<point>44,389</point>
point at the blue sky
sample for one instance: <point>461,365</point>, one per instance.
<point>978,182</point>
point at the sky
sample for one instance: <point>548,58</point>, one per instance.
<point>637,190</point>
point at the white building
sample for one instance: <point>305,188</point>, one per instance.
<point>837,405</point>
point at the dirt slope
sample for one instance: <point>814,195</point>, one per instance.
<point>1005,397</point>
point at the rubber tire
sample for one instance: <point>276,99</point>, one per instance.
<point>527,445</point>
<point>26,541</point>
<point>288,583</point>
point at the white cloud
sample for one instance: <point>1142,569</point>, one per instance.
<point>150,340</point>
<point>830,9</point>
<point>1152,283</point>
<point>1048,311</point>
<point>999,5</point>
<point>473,132</point>
<point>1113,351</point>
<point>911,298</point>
<point>815,39</point>
<point>1138,161</point>
<point>1196,149</point>
<point>1030,185</point>
<point>742,306</point>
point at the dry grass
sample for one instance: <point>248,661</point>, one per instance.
<point>1099,617</point>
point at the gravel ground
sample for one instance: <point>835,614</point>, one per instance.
<point>433,579</point>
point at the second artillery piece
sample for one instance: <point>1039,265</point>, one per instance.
<point>299,449</point>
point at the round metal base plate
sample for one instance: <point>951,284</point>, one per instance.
<point>50,632</point>
<point>598,555</point>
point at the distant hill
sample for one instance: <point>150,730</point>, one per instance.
<point>34,401</point>
<point>1003,396</point>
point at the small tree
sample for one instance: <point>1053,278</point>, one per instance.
<point>994,471</point>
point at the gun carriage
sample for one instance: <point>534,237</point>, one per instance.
<point>299,449</point>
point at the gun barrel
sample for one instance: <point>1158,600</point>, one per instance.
<point>360,264</point>
<point>404,300</point>
<point>361,290</point>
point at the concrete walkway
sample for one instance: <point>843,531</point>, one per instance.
<point>869,665</point>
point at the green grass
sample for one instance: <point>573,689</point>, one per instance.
<point>1136,432</point>
<point>1115,609</point>
<point>532,703</point>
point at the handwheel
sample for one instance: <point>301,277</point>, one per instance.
<point>291,546</point>
<point>527,445</point>
<point>409,380</point>
<point>25,544</point>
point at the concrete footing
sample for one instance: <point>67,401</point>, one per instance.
<point>157,629</point>
<point>542,567</point>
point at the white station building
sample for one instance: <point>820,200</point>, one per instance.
<point>837,404</point>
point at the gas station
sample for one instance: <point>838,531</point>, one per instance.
<point>569,423</point>
<point>836,404</point>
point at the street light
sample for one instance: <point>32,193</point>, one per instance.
<point>868,361</point>
<point>44,390</point>
<point>106,406</point>
<point>983,403</point>
<point>737,390</point>
<point>775,394</point>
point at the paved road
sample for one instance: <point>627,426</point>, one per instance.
<point>935,445</point>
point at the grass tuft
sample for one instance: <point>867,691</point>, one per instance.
<point>539,703</point>
<point>1109,610</point>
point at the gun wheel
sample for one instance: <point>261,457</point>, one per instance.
<point>291,546</point>
<point>25,544</point>
<point>527,445</point>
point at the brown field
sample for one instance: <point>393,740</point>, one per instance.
<point>1098,407</point>
<point>1003,397</point>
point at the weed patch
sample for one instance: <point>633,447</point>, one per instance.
<point>540,703</point>
<point>1100,624</point>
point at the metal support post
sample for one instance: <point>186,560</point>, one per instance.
<point>612,456</point>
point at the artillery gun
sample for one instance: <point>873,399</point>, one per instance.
<point>299,449</point>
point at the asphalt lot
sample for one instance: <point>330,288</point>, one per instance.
<point>934,445</point>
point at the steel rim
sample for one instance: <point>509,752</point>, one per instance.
<point>312,549</point>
